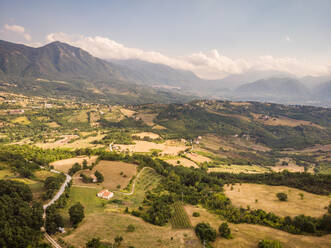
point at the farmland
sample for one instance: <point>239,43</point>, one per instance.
<point>115,174</point>
<point>65,164</point>
<point>248,235</point>
<point>180,220</point>
<point>259,196</point>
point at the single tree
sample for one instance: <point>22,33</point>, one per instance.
<point>85,164</point>
<point>76,213</point>
<point>99,176</point>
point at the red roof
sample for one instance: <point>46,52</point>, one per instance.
<point>103,191</point>
<point>106,194</point>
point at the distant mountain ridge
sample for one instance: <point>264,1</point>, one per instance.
<point>139,81</point>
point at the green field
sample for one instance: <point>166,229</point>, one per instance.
<point>87,197</point>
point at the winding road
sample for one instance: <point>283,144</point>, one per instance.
<point>56,197</point>
<point>134,183</point>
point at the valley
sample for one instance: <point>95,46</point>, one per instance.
<point>221,146</point>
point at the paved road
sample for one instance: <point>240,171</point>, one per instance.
<point>57,196</point>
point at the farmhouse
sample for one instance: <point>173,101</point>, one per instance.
<point>105,194</point>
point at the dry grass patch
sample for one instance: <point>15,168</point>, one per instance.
<point>246,194</point>
<point>282,121</point>
<point>183,162</point>
<point>107,225</point>
<point>159,127</point>
<point>127,112</point>
<point>147,118</point>
<point>239,169</point>
<point>248,235</point>
<point>65,164</point>
<point>52,124</point>
<point>198,158</point>
<point>21,120</point>
<point>147,134</point>
<point>111,170</point>
<point>43,174</point>
<point>168,147</point>
<point>79,143</point>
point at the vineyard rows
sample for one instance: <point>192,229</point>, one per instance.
<point>180,220</point>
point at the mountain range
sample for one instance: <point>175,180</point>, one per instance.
<point>61,70</point>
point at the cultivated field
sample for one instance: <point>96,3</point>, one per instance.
<point>247,194</point>
<point>180,220</point>
<point>65,164</point>
<point>198,158</point>
<point>248,235</point>
<point>169,147</point>
<point>111,170</point>
<point>239,169</point>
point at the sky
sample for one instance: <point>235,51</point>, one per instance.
<point>212,38</point>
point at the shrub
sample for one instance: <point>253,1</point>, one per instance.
<point>265,243</point>
<point>224,230</point>
<point>282,196</point>
<point>196,214</point>
<point>131,228</point>
<point>205,232</point>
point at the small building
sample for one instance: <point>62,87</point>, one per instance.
<point>105,194</point>
<point>16,111</point>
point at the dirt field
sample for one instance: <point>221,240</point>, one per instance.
<point>147,134</point>
<point>248,235</point>
<point>168,147</point>
<point>65,164</point>
<point>246,194</point>
<point>111,171</point>
<point>183,161</point>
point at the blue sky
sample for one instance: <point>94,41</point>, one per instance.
<point>241,31</point>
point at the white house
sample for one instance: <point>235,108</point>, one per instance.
<point>105,194</point>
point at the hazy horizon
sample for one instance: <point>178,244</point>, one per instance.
<point>213,39</point>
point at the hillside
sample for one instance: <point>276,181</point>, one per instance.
<point>274,89</point>
<point>323,92</point>
<point>61,70</point>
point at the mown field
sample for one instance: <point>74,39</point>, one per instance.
<point>116,174</point>
<point>264,197</point>
<point>248,235</point>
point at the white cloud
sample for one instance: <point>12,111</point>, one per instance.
<point>18,30</point>
<point>288,39</point>
<point>211,65</point>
